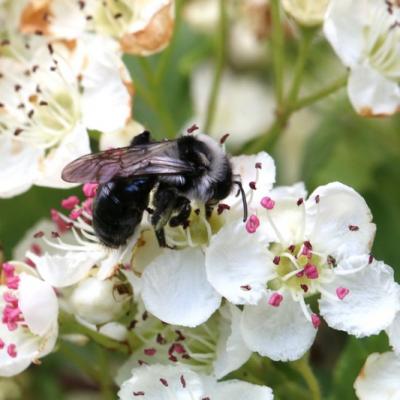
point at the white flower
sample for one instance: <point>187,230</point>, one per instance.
<point>141,26</point>
<point>365,35</point>
<point>173,284</point>
<point>293,248</point>
<point>245,107</point>
<point>379,378</point>
<point>160,382</point>
<point>73,252</point>
<point>308,12</point>
<point>50,96</point>
<point>98,301</point>
<point>29,328</point>
<point>215,347</point>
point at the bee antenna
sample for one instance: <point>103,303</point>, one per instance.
<point>244,200</point>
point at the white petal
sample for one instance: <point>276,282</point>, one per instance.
<point>343,27</point>
<point>28,346</point>
<point>97,301</point>
<point>176,289</point>
<point>245,167</point>
<point>394,334</point>
<point>238,269</point>
<point>146,379</point>
<point>280,333</point>
<point>232,351</point>
<point>65,270</point>
<point>371,93</point>
<point>340,224</point>
<point>379,378</point>
<point>372,302</point>
<point>25,244</point>
<point>285,223</point>
<point>74,145</point>
<point>294,192</point>
<point>106,102</point>
<point>115,331</point>
<point>18,166</point>
<point>151,27</point>
<point>113,259</point>
<point>146,250</point>
<point>68,21</point>
<point>240,390</point>
<point>122,137</point>
<point>13,366</point>
<point>38,304</point>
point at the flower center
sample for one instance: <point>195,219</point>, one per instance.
<point>40,99</point>
<point>196,232</point>
<point>299,268</point>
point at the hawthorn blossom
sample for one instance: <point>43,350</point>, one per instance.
<point>99,301</point>
<point>73,252</point>
<point>308,12</point>
<point>165,382</point>
<point>293,248</point>
<point>365,35</point>
<point>50,95</point>
<point>173,283</point>
<point>244,109</point>
<point>379,378</point>
<point>141,27</point>
<point>215,347</point>
<point>29,328</point>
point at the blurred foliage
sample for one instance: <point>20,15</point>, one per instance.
<point>363,153</point>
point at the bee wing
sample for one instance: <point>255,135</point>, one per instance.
<point>139,160</point>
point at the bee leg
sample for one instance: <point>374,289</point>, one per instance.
<point>160,235</point>
<point>163,205</point>
<point>183,207</point>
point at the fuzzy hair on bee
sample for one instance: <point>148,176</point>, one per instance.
<point>192,167</point>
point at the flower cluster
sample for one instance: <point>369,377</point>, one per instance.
<point>253,276</point>
<point>182,302</point>
<point>61,71</point>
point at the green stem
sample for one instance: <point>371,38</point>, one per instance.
<point>106,383</point>
<point>269,138</point>
<point>303,367</point>
<point>68,324</point>
<point>277,44</point>
<point>320,94</point>
<point>221,40</point>
<point>304,49</point>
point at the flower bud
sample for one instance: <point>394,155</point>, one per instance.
<point>306,12</point>
<point>98,301</point>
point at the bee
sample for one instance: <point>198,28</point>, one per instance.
<point>188,168</point>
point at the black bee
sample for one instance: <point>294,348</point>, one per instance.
<point>181,170</point>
